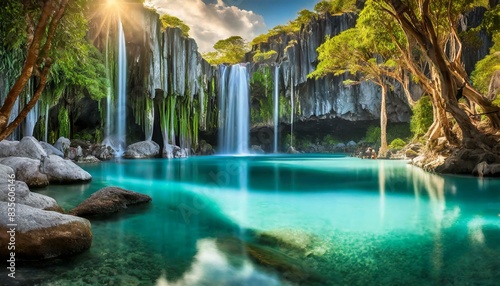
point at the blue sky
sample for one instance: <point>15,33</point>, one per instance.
<point>275,12</point>
<point>213,20</point>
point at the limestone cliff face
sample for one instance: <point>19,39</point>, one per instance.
<point>164,61</point>
<point>329,97</point>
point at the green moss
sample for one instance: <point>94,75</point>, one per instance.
<point>64,124</point>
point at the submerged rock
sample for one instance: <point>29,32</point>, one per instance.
<point>44,234</point>
<point>109,200</point>
<point>257,149</point>
<point>142,150</point>
<point>63,171</point>
<point>27,170</point>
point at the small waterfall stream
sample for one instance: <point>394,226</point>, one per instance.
<point>234,120</point>
<point>116,105</point>
<point>276,102</point>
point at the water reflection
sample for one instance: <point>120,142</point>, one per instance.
<point>350,216</point>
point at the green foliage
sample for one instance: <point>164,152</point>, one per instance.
<point>231,51</point>
<point>330,140</point>
<point>260,57</point>
<point>486,68</point>
<point>261,90</point>
<point>422,117</point>
<point>64,125</point>
<point>168,21</point>
<point>12,25</point>
<point>335,6</point>
<point>397,144</point>
<point>373,134</point>
<point>398,130</point>
<point>323,7</point>
<point>304,16</point>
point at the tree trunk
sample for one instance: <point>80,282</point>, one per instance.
<point>383,122</point>
<point>37,57</point>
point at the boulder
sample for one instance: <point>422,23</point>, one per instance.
<point>74,153</point>
<point>102,152</point>
<point>62,144</point>
<point>27,170</point>
<point>29,147</point>
<point>142,150</point>
<point>173,151</point>
<point>351,144</point>
<point>292,150</point>
<point>51,150</point>
<point>257,149</point>
<point>88,159</point>
<point>108,201</point>
<point>484,169</point>
<point>205,149</point>
<point>8,148</point>
<point>44,234</point>
<point>23,195</point>
<point>61,171</point>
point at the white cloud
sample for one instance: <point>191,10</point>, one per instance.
<point>212,22</point>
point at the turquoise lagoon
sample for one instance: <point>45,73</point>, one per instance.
<point>312,220</point>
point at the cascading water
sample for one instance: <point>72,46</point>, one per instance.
<point>116,108</point>
<point>291,111</point>
<point>32,117</point>
<point>234,118</point>
<point>276,107</point>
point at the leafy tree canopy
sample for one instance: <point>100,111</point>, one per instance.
<point>231,51</point>
<point>168,21</point>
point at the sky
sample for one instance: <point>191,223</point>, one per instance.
<point>213,20</point>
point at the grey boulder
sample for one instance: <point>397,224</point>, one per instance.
<point>8,148</point>
<point>44,234</point>
<point>29,147</point>
<point>51,150</point>
<point>61,171</point>
<point>142,150</point>
<point>62,144</point>
<point>27,170</point>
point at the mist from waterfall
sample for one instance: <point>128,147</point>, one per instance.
<point>234,103</point>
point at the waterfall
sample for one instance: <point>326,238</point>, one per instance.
<point>276,107</point>
<point>32,117</point>
<point>234,103</point>
<point>116,107</point>
<point>46,130</point>
<point>292,105</point>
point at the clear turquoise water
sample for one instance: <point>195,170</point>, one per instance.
<point>356,222</point>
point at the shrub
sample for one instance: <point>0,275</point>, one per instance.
<point>397,144</point>
<point>422,117</point>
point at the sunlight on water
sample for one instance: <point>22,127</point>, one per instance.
<point>340,221</point>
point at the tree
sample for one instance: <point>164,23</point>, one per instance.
<point>168,21</point>
<point>432,51</point>
<point>42,19</point>
<point>370,57</point>
<point>231,51</point>
<point>323,7</point>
